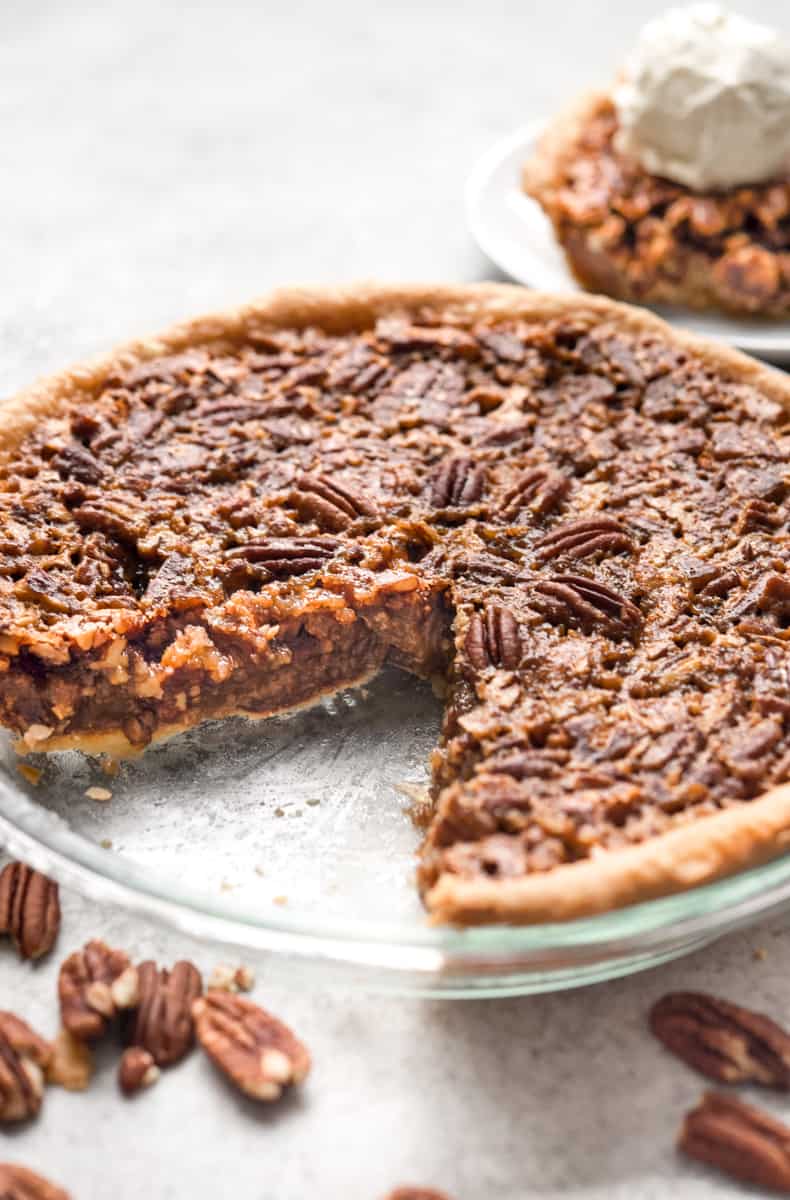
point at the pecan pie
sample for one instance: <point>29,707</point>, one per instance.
<point>574,516</point>
<point>640,237</point>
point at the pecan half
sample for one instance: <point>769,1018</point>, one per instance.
<point>457,482</point>
<point>136,1070</point>
<point>94,983</point>
<point>24,1057</point>
<point>580,539</point>
<point>540,490</point>
<point>724,1041</point>
<point>19,1183</point>
<point>256,1051</point>
<point>162,1022</point>
<point>331,505</point>
<point>29,909</point>
<point>739,1140</point>
<point>282,558</point>
<point>493,639</point>
<point>576,600</point>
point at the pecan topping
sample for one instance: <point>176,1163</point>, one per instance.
<point>162,1022</point>
<point>580,539</point>
<point>457,483</point>
<point>493,639</point>
<point>29,909</point>
<point>136,1070</point>
<point>18,1183</point>
<point>24,1057</point>
<point>758,514</point>
<point>256,1051</point>
<point>540,490</point>
<point>93,985</point>
<point>725,1042</point>
<point>284,557</point>
<point>739,1140</point>
<point>331,505</point>
<point>577,600</point>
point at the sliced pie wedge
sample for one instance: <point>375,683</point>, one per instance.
<point>572,515</point>
<point>643,238</point>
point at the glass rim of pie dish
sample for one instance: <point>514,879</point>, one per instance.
<point>383,955</point>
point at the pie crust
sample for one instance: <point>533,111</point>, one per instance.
<point>442,612</point>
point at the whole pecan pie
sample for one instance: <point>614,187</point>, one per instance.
<point>571,514</point>
<point>639,237</point>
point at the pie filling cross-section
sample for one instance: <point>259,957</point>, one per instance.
<point>571,515</point>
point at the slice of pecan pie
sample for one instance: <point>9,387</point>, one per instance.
<point>647,239</point>
<point>574,515</point>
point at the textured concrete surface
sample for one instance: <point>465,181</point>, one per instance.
<point>160,159</point>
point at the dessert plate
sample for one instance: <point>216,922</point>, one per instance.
<point>292,840</point>
<point>513,231</point>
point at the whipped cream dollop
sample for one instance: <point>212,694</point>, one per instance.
<point>705,99</point>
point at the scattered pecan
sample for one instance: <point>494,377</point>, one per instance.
<point>416,1193</point>
<point>24,1057</point>
<point>580,539</point>
<point>489,568</point>
<point>331,505</point>
<point>29,909</point>
<point>493,639</point>
<point>123,521</point>
<point>457,482</point>
<point>282,558</point>
<point>136,1070</point>
<point>739,1140</point>
<point>71,1065</point>
<point>402,335</point>
<point>576,600</point>
<point>256,1051</point>
<point>162,1022</point>
<point>19,1183</point>
<point>724,1041</point>
<point>225,978</point>
<point>540,490</point>
<point>93,985</point>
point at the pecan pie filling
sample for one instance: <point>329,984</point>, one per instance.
<point>582,529</point>
<point>641,237</point>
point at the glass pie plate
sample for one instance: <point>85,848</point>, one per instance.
<point>293,840</point>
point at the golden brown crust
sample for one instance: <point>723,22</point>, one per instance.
<point>704,850</point>
<point>592,264</point>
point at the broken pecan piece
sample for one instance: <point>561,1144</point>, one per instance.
<point>739,1140</point>
<point>540,490</point>
<point>576,600</point>
<point>29,909</point>
<point>284,557</point>
<point>136,1070</point>
<point>457,482</point>
<point>580,539</point>
<point>256,1051</point>
<point>24,1057</point>
<point>71,1065</point>
<point>416,1193</point>
<point>723,1041</point>
<point>162,1022</point>
<point>331,505</point>
<point>94,983</point>
<point>493,639</point>
<point>19,1183</point>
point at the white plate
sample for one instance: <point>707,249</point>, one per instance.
<point>513,231</point>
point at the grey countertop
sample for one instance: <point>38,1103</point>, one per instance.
<point>163,159</point>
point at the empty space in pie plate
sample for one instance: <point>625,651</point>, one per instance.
<point>308,814</point>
